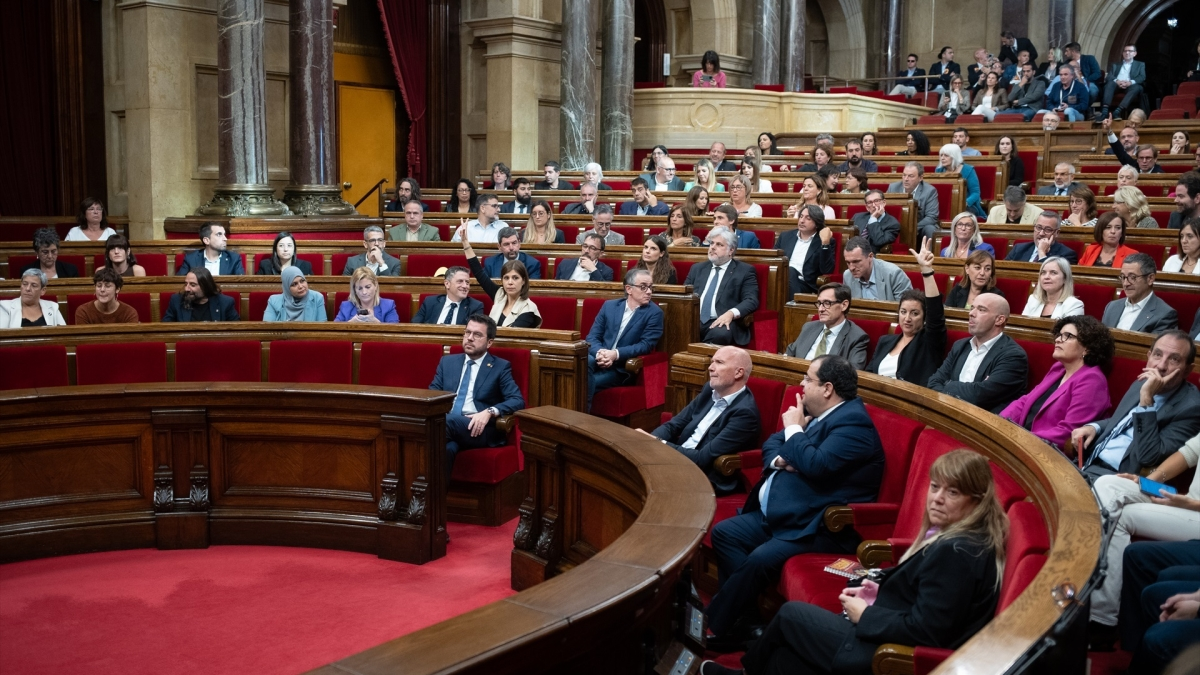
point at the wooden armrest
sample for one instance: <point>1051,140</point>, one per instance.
<point>893,660</point>
<point>506,423</point>
<point>746,320</point>
<point>634,365</point>
<point>838,517</point>
<point>873,553</point>
<point>728,464</point>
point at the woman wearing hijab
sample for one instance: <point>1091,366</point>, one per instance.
<point>296,302</point>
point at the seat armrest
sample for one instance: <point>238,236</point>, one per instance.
<point>633,365</point>
<point>506,423</point>
<point>728,464</point>
<point>838,517</point>
<point>893,660</point>
<point>873,553</point>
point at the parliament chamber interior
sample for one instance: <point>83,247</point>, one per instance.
<point>459,338</point>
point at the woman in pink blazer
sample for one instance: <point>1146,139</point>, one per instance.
<point>1075,391</point>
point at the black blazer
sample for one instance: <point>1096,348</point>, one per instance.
<point>739,290</point>
<point>904,80</point>
<point>1023,252</point>
<point>566,268</point>
<point>1016,172</point>
<point>63,270</point>
<point>946,74</point>
<point>268,266</point>
<point>957,297</point>
<point>880,233</point>
<point>522,320</point>
<point>921,358</point>
<point>221,308</point>
<point>820,260</point>
<point>431,309</point>
<point>737,429</point>
<point>1000,379</point>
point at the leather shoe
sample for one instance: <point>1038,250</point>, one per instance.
<point>714,668</point>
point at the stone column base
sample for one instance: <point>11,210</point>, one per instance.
<point>317,200</point>
<point>242,201</point>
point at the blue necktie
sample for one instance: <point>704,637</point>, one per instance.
<point>451,314</point>
<point>461,398</point>
<point>706,302</point>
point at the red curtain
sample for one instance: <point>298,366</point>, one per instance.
<point>28,144</point>
<point>405,27</point>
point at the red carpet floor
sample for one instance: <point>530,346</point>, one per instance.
<point>234,609</point>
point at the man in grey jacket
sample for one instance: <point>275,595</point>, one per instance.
<point>1029,96</point>
<point>876,224</point>
<point>832,333</point>
<point>1140,310</point>
<point>924,195</point>
<point>868,278</point>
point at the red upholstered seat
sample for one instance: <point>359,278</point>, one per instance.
<point>765,329</point>
<point>1041,357</point>
<point>124,363</point>
<point>1168,114</point>
<point>647,391</point>
<point>1095,298</point>
<point>1000,244</point>
<point>1002,118</point>
<point>398,364</point>
<point>945,193</point>
<point>618,267</point>
<point>1156,251</point>
<point>768,396</point>
<point>258,304</point>
<point>1185,304</point>
<point>634,236</point>
<point>970,119</point>
<point>33,366</point>
<point>218,361</point>
<point>987,182</point>
<point>557,313</point>
<point>1121,375</point>
<point>915,277</point>
<point>1016,291</point>
<point>338,262</point>
<point>1008,491</point>
<point>313,361</point>
<point>492,465</point>
<point>682,267</point>
<point>875,329</point>
<point>772,210</point>
<point>931,119</point>
<point>1180,102</point>
<point>425,264</point>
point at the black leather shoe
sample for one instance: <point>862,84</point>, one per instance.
<point>714,668</point>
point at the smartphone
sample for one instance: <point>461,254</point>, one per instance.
<point>364,312</point>
<point>1152,488</point>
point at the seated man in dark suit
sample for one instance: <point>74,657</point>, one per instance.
<point>854,156</point>
<point>988,369</point>
<point>1064,180</point>
<point>1140,310</point>
<point>214,256</point>
<point>485,390</point>
<point>716,155</point>
<point>726,216</point>
<point>1157,415</point>
<point>728,291</point>
<point>45,245</point>
<point>1129,75</point>
<point>455,306</point>
<point>1045,242</point>
<point>522,197</point>
<point>553,182</point>
<point>644,202</point>
<point>829,454</point>
<point>376,258</point>
<point>624,328</point>
<point>907,83</point>
<point>722,419</point>
<point>832,332</point>
<point>587,201</point>
<point>510,249</point>
<point>876,224</point>
<point>663,179</point>
<point>588,266</point>
<point>200,300</point>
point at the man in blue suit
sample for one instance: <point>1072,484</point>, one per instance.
<point>623,329</point>
<point>1044,244</point>
<point>485,390</point>
<point>510,249</point>
<point>587,267</point>
<point>200,300</point>
<point>644,202</point>
<point>455,306</point>
<point>213,256</point>
<point>828,454</point>
<point>1086,68</point>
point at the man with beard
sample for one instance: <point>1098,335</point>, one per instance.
<point>522,197</point>
<point>201,300</point>
<point>510,249</point>
<point>854,158</point>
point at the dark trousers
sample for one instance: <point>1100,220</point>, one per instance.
<point>600,379</point>
<point>717,336</point>
<point>804,638</point>
<point>1143,562</point>
<point>1133,95</point>
<point>458,437</point>
<point>1165,640</point>
<point>749,558</point>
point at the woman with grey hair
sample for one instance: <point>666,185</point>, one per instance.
<point>1054,295</point>
<point>29,309</point>
<point>1133,207</point>
<point>593,173</point>
<point>950,160</point>
<point>45,245</point>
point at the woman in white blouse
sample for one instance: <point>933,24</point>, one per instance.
<point>739,197</point>
<point>29,309</point>
<point>814,191</point>
<point>93,222</point>
<point>1187,261</point>
<point>1054,295</point>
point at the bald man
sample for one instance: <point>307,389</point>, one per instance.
<point>989,368</point>
<point>721,420</point>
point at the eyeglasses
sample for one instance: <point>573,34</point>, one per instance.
<point>669,170</point>
<point>645,288</point>
<point>474,334</point>
<point>826,304</point>
<point>1065,337</point>
<point>589,247</point>
<point>874,202</point>
<point>1039,229</point>
<point>1130,277</point>
<point>378,240</point>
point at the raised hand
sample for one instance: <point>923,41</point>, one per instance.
<point>925,255</point>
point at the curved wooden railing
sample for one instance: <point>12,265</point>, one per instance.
<point>1052,484</point>
<point>185,465</point>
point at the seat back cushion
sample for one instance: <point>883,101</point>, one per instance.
<point>398,364</point>
<point>311,361</point>
<point>218,361</point>
<point>33,366</point>
<point>931,444</point>
<point>768,395</point>
<point>899,435</point>
<point>124,363</point>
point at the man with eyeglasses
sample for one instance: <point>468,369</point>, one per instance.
<point>664,179</point>
<point>588,266</point>
<point>1158,414</point>
<point>625,328</point>
<point>878,226</point>
<point>728,291</point>
<point>602,219</point>
<point>382,264</point>
<point>924,195</point>
<point>832,332</point>
<point>644,202</point>
<point>1045,242</point>
<point>1140,310</point>
<point>910,81</point>
<point>485,391</point>
<point>486,228</point>
<point>1064,180</point>
<point>1128,75</point>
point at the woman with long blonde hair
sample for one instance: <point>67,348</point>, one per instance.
<point>540,229</point>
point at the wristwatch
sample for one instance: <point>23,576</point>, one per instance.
<point>494,412</point>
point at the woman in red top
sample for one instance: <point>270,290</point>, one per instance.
<point>1109,249</point>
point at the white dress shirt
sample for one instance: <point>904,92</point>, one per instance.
<point>469,402</point>
<point>800,253</point>
<point>716,277</point>
<point>625,317</point>
<point>458,306</point>
<point>580,274</point>
<point>1123,73</point>
<point>480,233</point>
<point>711,416</point>
<point>975,358</point>
<point>1131,311</point>
<point>213,266</point>
<point>833,335</point>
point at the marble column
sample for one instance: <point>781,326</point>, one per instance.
<point>890,52</point>
<point>793,44</point>
<point>616,88</point>
<point>1061,27</point>
<point>242,188</point>
<point>313,190</point>
<point>577,111</point>
<point>766,42</point>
